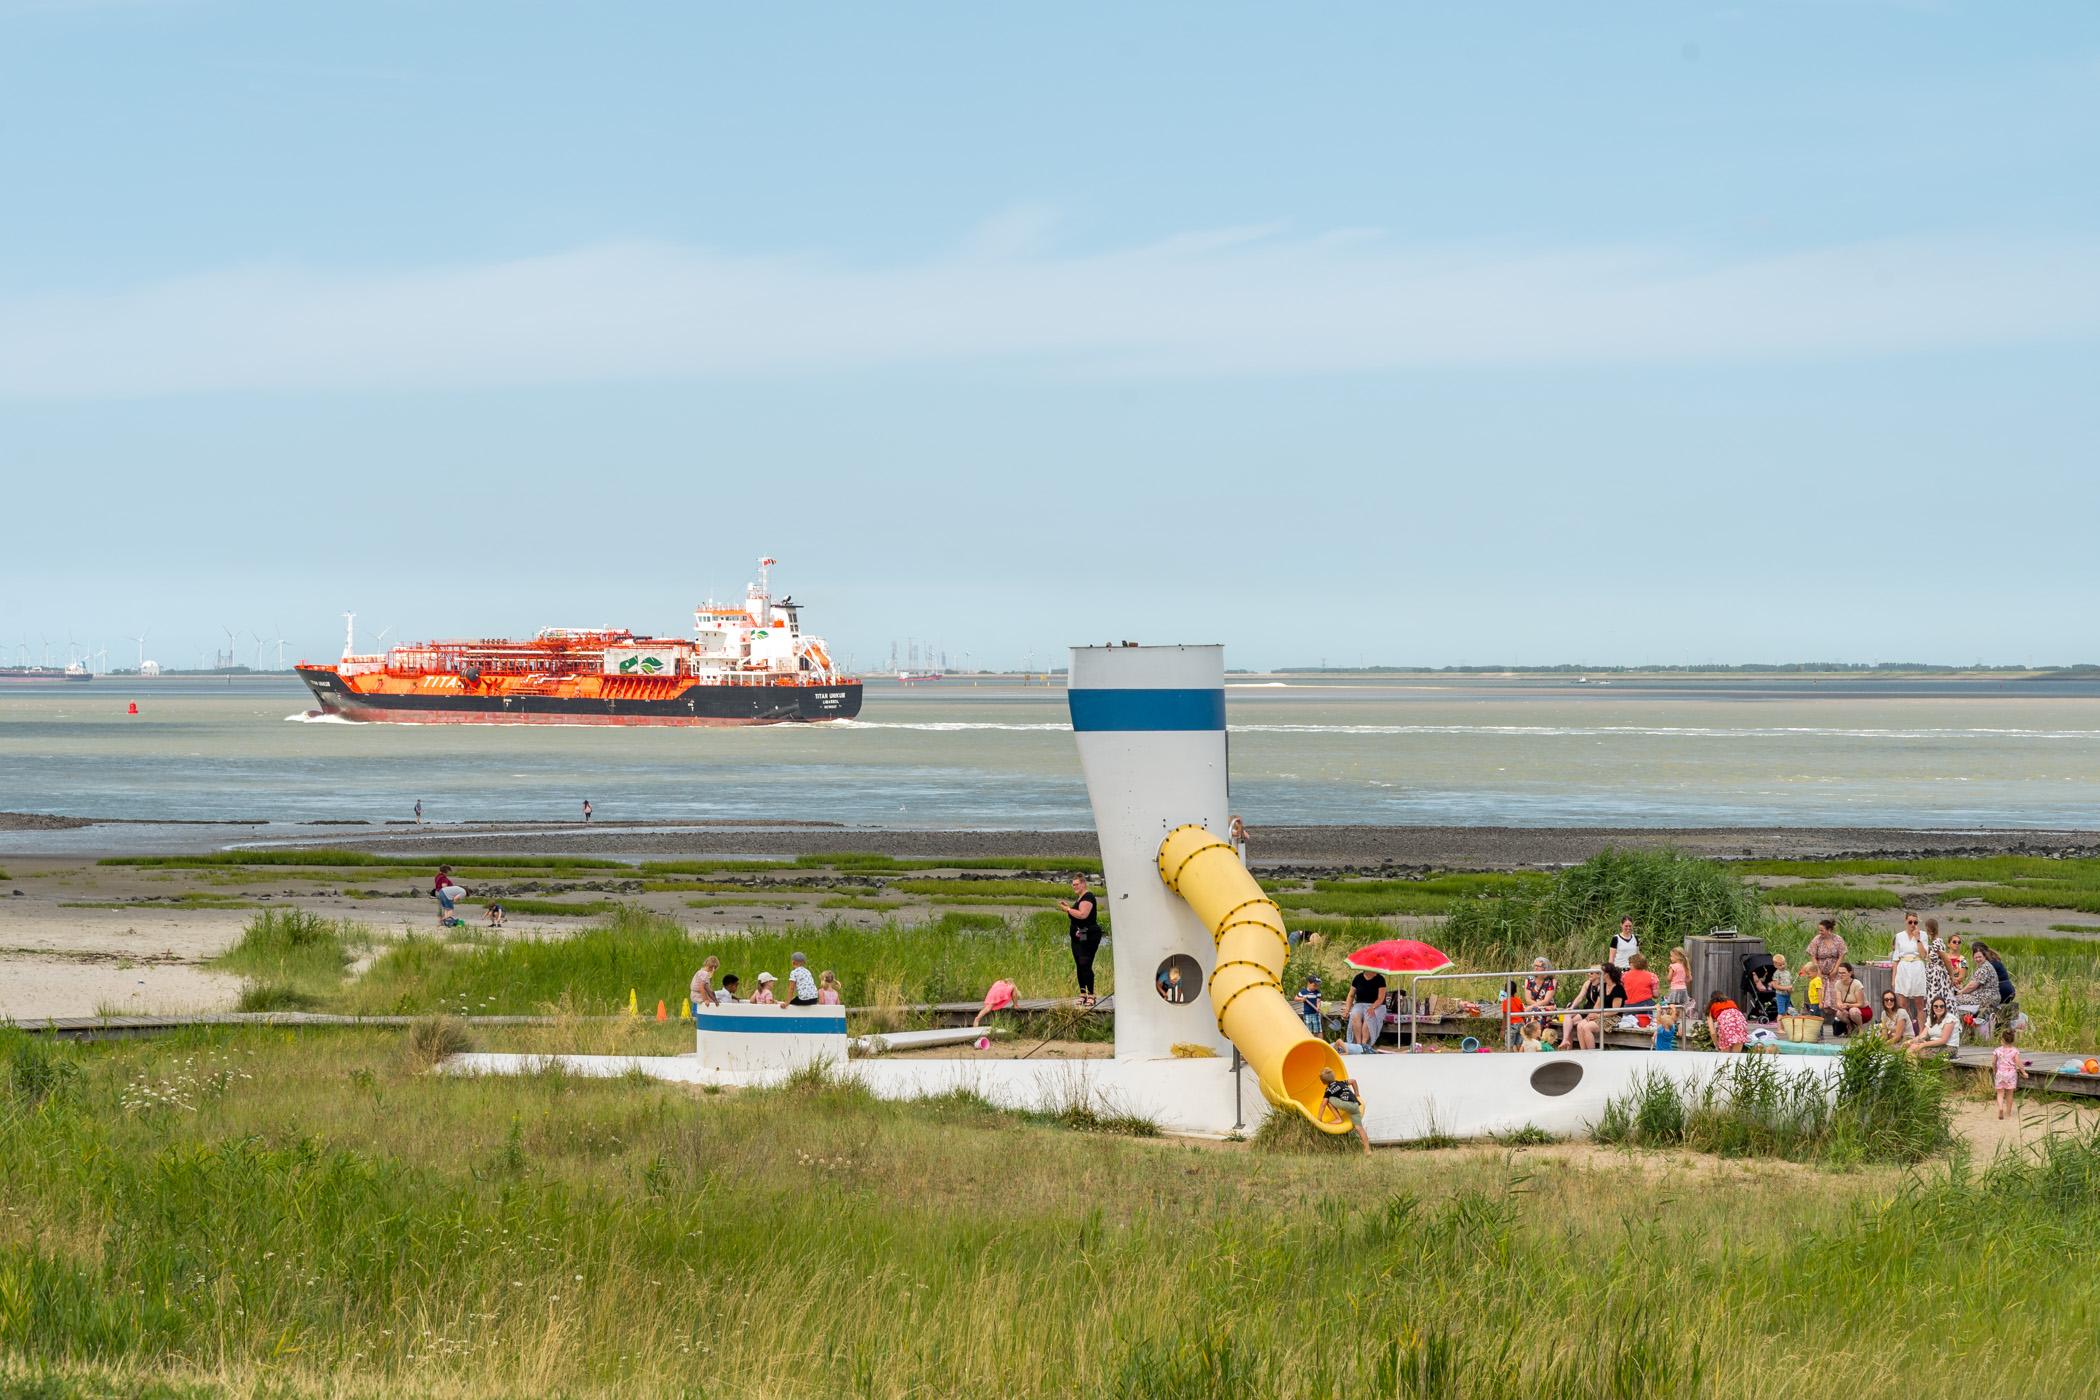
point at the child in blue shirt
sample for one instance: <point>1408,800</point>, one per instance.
<point>1309,1004</point>
<point>1666,1029</point>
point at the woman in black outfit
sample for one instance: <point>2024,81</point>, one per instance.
<point>1086,935</point>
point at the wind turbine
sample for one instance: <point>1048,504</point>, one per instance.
<point>141,640</point>
<point>259,645</point>
<point>279,644</point>
<point>230,657</point>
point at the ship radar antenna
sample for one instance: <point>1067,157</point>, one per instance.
<point>765,579</point>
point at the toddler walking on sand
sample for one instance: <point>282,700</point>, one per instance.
<point>2006,1071</point>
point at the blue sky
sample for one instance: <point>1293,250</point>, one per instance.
<point>1413,334</point>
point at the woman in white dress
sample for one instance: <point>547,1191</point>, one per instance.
<point>1909,984</point>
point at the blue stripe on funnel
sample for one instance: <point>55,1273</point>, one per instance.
<point>1097,710</point>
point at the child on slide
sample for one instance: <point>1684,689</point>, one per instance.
<point>1341,1098</point>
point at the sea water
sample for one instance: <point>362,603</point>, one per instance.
<point>967,754</point>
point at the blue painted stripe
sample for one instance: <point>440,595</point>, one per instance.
<point>1096,710</point>
<point>772,1025</point>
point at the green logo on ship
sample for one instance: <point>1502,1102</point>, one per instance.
<point>647,665</point>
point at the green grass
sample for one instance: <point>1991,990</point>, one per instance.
<point>291,960</point>
<point>1883,1107</point>
<point>257,1212</point>
<point>1815,896</point>
<point>2074,928</point>
<point>1569,918</point>
<point>1435,894</point>
<point>951,958</point>
<point>2082,901</point>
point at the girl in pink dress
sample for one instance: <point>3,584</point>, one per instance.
<point>2006,1070</point>
<point>1730,1030</point>
<point>828,988</point>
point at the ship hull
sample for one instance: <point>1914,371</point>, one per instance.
<point>697,705</point>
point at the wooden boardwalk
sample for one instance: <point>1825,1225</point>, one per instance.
<point>951,1013</point>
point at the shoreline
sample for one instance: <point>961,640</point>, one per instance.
<point>1350,847</point>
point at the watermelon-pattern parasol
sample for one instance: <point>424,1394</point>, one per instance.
<point>1397,955</point>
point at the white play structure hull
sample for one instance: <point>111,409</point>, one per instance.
<point>1406,1097</point>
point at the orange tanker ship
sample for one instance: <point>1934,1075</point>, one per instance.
<point>749,664</point>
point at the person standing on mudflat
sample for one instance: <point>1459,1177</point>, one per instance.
<point>1086,935</point>
<point>586,809</point>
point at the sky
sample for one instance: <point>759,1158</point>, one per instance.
<point>1401,334</point>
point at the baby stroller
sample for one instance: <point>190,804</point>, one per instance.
<point>1760,1003</point>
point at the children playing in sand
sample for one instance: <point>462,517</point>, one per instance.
<point>2007,1071</point>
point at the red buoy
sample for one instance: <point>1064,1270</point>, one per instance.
<point>134,707</point>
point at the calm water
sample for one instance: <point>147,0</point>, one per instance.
<point>1495,752</point>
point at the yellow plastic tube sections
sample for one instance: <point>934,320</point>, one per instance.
<point>1246,988</point>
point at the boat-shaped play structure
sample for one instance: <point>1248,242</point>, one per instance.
<point>1207,1042</point>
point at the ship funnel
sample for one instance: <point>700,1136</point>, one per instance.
<point>1150,724</point>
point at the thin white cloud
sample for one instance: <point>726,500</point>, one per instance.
<point>1232,302</point>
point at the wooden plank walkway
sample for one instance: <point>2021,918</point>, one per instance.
<point>119,1027</point>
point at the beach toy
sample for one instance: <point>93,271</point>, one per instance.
<point>685,1010</point>
<point>984,1042</point>
<point>2072,1067</point>
<point>631,1010</point>
<point>661,1014</point>
<point>1468,1045</point>
<point>2092,1066</point>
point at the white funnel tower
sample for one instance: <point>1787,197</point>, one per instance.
<point>1150,722</point>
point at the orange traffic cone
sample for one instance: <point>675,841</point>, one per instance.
<point>661,1014</point>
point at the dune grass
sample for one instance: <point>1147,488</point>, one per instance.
<point>291,960</point>
<point>257,1212</point>
<point>1882,1107</point>
<point>953,957</point>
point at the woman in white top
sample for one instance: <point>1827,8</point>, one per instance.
<point>1624,945</point>
<point>1910,970</point>
<point>1943,1032</point>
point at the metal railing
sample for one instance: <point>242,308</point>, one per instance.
<point>1414,1004</point>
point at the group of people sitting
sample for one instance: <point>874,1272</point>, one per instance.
<point>805,988</point>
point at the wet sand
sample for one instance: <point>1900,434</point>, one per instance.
<point>1339,847</point>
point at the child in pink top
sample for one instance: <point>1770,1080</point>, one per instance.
<point>1680,993</point>
<point>998,998</point>
<point>828,988</point>
<point>2006,1070</point>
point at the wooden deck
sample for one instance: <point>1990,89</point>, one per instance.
<point>950,1013</point>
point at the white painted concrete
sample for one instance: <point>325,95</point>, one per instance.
<point>1406,1097</point>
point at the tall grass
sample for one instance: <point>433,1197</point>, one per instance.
<point>953,957</point>
<point>1815,896</point>
<point>291,960</point>
<point>1882,1106</point>
<point>1669,896</point>
<point>306,1216</point>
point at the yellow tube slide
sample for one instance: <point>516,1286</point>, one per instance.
<point>1246,989</point>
